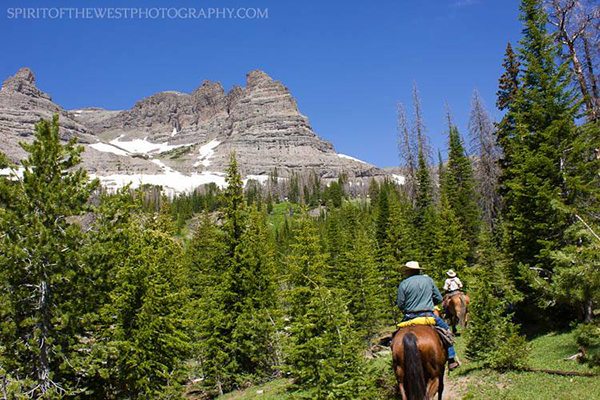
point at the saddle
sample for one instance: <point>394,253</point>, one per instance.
<point>449,295</point>
<point>417,321</point>
<point>446,337</point>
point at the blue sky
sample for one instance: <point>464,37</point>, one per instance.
<point>347,62</point>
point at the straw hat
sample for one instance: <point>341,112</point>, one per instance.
<point>412,265</point>
<point>451,273</point>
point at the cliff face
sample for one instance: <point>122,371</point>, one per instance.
<point>22,105</point>
<point>184,133</point>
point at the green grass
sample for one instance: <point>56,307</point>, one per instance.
<point>280,211</point>
<point>547,352</point>
<point>471,381</point>
<point>269,391</point>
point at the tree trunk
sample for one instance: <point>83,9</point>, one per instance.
<point>588,311</point>
<point>44,324</point>
<point>595,95</point>
<point>589,105</point>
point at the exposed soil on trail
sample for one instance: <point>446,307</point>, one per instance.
<point>455,387</point>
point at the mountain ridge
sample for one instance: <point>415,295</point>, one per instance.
<point>188,134</point>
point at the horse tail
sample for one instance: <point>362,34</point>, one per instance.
<point>463,312</point>
<point>414,379</point>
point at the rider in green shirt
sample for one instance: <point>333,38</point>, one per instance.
<point>417,295</point>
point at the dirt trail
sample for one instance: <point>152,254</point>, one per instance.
<point>455,387</point>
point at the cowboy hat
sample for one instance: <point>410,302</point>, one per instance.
<point>451,273</point>
<point>412,265</point>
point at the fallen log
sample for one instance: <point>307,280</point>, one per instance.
<point>562,373</point>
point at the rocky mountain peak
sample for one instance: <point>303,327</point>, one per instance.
<point>24,82</point>
<point>257,77</point>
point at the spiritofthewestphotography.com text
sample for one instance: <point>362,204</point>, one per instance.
<point>135,13</point>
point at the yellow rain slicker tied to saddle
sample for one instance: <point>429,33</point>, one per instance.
<point>417,321</point>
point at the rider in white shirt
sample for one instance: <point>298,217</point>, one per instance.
<point>452,284</point>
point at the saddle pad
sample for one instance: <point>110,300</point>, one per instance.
<point>417,321</point>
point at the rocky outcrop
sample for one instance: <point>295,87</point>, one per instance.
<point>24,82</point>
<point>184,134</point>
<point>22,105</point>
<point>260,122</point>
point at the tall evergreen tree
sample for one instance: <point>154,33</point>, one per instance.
<point>253,335</point>
<point>576,279</point>
<point>451,248</point>
<point>142,341</point>
<point>323,352</point>
<point>236,323</point>
<point>40,251</point>
<point>425,217</point>
<point>358,274</point>
<point>459,186</point>
<point>509,81</point>
<point>532,176</point>
<point>492,337</point>
<point>400,245</point>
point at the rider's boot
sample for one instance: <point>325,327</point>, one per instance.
<point>453,363</point>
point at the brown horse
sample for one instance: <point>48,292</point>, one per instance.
<point>457,310</point>
<point>419,360</point>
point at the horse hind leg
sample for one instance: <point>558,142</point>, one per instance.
<point>402,392</point>
<point>400,380</point>
<point>433,387</point>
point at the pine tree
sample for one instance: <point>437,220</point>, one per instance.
<point>144,338</point>
<point>441,172</point>
<point>575,277</point>
<point>407,148</point>
<point>425,218</point>
<point>509,81</point>
<point>532,176</point>
<point>307,265</point>
<point>451,249</point>
<point>235,320</point>
<point>383,214</point>
<point>43,273</point>
<point>459,185</point>
<point>492,337</point>
<point>358,274</point>
<point>373,193</point>
<point>253,335</point>
<point>424,198</point>
<point>234,213</point>
<point>400,245</point>
<point>325,353</point>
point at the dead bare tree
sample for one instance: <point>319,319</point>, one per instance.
<point>419,128</point>
<point>486,158</point>
<point>407,147</point>
<point>574,20</point>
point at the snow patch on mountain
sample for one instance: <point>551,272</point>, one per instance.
<point>206,152</point>
<point>260,178</point>
<point>173,182</point>
<point>108,148</point>
<point>399,179</point>
<point>143,146</point>
<point>351,158</point>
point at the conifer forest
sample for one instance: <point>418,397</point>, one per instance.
<point>135,294</point>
